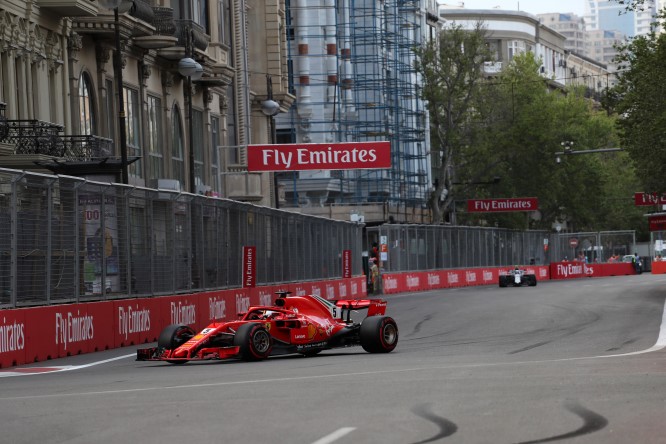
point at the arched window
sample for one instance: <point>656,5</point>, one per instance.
<point>177,157</point>
<point>86,108</point>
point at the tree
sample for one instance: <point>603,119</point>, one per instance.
<point>451,67</point>
<point>638,96</point>
<point>521,121</point>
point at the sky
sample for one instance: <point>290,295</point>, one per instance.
<point>531,6</point>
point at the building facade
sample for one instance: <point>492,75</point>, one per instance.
<point>514,32</point>
<point>352,71</point>
<point>59,91</point>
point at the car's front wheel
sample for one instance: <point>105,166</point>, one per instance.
<point>173,336</point>
<point>379,334</point>
<point>254,342</point>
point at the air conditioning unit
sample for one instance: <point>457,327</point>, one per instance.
<point>169,184</point>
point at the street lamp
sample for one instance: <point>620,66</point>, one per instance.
<point>191,70</point>
<point>567,147</point>
<point>118,77</point>
<point>271,108</point>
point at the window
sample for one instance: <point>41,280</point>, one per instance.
<point>225,19</point>
<point>86,108</point>
<point>110,109</point>
<point>232,139</point>
<point>516,47</point>
<point>177,158</point>
<point>214,156</point>
<point>198,142</point>
<point>154,138</point>
<point>133,129</point>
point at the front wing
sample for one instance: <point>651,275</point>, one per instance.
<point>208,353</point>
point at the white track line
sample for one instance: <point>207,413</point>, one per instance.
<point>58,368</point>
<point>328,439</point>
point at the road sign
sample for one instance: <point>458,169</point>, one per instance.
<point>573,242</point>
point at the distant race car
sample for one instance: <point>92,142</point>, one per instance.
<point>295,324</point>
<point>517,278</point>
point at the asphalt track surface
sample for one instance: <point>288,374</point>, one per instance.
<point>576,361</point>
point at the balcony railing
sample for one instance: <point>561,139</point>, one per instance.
<point>199,37</point>
<point>35,137</point>
<point>82,148</point>
<point>139,9</point>
<point>164,22</point>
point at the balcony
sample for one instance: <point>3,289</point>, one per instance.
<point>32,143</point>
<point>70,8</point>
<point>200,40</point>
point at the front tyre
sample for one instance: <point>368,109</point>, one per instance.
<point>379,334</point>
<point>173,336</point>
<point>254,342</point>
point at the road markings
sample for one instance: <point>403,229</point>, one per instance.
<point>328,439</point>
<point>29,371</point>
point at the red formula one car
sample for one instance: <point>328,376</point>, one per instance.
<point>295,324</point>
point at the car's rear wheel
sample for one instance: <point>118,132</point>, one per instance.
<point>254,342</point>
<point>173,336</point>
<point>379,334</point>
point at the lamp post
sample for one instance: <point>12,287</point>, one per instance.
<point>191,70</point>
<point>118,77</point>
<point>271,108</point>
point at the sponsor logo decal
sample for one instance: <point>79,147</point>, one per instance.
<point>242,303</point>
<point>452,278</point>
<point>217,308</point>
<point>183,313</point>
<point>133,320</point>
<point>433,279</point>
<point>265,298</point>
<point>72,328</point>
<point>487,276</point>
<point>390,283</point>
<point>412,281</point>
<point>470,276</point>
<point>569,269</point>
<point>12,336</point>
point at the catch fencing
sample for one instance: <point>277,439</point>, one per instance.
<point>66,239</point>
<point>594,246</point>
<point>432,247</point>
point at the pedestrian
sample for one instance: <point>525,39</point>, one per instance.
<point>374,275</point>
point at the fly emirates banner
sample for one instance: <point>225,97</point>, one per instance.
<point>319,156</point>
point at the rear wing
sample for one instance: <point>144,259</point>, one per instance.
<point>374,306</point>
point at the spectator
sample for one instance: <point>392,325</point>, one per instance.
<point>374,275</point>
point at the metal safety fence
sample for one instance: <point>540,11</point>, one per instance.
<point>431,247</point>
<point>66,239</point>
<point>597,246</point>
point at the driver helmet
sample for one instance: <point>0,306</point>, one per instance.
<point>517,268</point>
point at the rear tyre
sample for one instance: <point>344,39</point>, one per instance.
<point>173,336</point>
<point>379,334</point>
<point>502,283</point>
<point>254,342</point>
<point>533,281</point>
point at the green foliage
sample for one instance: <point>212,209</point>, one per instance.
<point>510,127</point>
<point>639,100</point>
<point>521,122</point>
<point>451,68</point>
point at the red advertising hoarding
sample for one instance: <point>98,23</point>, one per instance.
<point>346,264</point>
<point>502,205</point>
<point>648,199</point>
<point>657,223</point>
<point>249,268</point>
<point>319,156</point>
